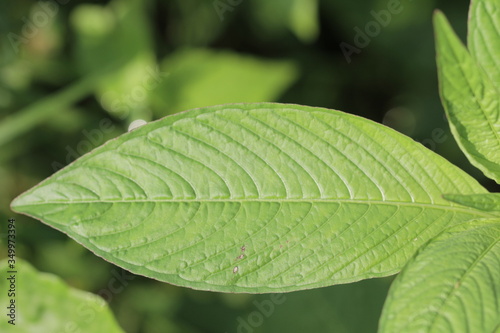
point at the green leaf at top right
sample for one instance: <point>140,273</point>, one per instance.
<point>469,85</point>
<point>483,37</point>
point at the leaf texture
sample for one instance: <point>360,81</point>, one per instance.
<point>255,198</point>
<point>483,37</point>
<point>453,284</point>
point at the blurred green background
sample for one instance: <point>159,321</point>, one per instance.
<point>74,74</point>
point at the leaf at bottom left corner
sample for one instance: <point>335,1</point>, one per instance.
<point>45,304</point>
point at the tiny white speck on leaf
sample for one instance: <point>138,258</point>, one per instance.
<point>235,269</point>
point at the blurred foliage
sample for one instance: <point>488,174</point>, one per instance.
<point>192,78</point>
<point>45,304</point>
<point>74,74</point>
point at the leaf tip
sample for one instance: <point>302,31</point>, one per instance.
<point>439,20</point>
<point>15,203</point>
<point>19,202</point>
<point>437,13</point>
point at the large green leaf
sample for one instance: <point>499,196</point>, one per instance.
<point>470,99</point>
<point>255,198</point>
<point>453,284</point>
<point>484,36</point>
<point>45,304</point>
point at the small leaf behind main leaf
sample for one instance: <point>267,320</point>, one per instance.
<point>255,198</point>
<point>488,201</point>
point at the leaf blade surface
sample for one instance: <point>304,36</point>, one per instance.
<point>255,198</point>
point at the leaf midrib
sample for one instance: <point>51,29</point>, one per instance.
<point>340,201</point>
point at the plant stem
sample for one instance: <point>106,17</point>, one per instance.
<point>40,111</point>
